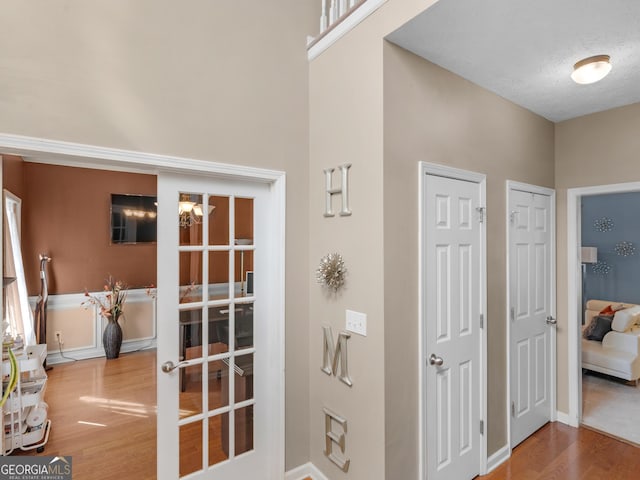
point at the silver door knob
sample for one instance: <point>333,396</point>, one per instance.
<point>551,320</point>
<point>435,360</point>
<point>168,367</point>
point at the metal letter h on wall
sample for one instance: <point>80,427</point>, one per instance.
<point>343,190</point>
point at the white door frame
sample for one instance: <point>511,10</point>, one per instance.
<point>525,187</point>
<point>90,156</point>
<point>425,168</point>
<point>574,279</point>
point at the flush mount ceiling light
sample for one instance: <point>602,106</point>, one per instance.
<point>591,70</point>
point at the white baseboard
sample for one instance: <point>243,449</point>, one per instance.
<point>128,346</point>
<point>562,418</point>
<point>304,471</point>
<point>498,458</point>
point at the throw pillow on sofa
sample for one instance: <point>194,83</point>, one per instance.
<point>598,328</point>
<point>608,311</point>
<point>623,320</point>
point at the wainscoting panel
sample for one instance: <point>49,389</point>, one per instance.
<point>82,327</point>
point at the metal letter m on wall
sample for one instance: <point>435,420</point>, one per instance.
<point>331,354</point>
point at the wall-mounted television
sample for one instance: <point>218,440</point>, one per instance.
<point>133,218</point>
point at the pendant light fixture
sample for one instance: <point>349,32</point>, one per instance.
<point>591,70</point>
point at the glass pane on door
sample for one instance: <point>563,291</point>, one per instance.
<point>218,275</point>
<point>190,288</point>
<point>244,429</point>
<point>219,220</point>
<point>190,223</point>
<point>190,448</point>
<point>218,439</point>
<point>244,272</point>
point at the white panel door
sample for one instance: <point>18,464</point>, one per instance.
<point>219,358</point>
<point>530,284</point>
<point>453,307</point>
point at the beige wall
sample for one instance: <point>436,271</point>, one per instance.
<point>346,125</point>
<point>223,81</point>
<point>597,149</point>
<point>427,114</point>
<point>435,116</point>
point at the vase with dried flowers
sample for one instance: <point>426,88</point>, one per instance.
<point>110,304</point>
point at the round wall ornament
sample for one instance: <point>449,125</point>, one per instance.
<point>331,271</point>
<point>625,249</point>
<point>601,268</point>
<point>603,224</point>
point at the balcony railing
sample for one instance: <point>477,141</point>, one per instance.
<point>337,17</point>
<point>335,11</point>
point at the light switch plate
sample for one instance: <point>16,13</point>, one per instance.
<point>357,322</point>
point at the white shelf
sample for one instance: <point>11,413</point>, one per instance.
<point>30,359</point>
<point>30,439</point>
<point>32,394</point>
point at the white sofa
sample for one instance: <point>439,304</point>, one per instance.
<point>619,352</point>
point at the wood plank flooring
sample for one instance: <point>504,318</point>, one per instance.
<point>104,415</point>
<point>558,451</point>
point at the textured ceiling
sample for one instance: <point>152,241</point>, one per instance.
<point>525,51</point>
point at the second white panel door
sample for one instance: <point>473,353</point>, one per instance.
<point>530,282</point>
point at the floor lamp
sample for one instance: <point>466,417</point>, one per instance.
<point>587,255</point>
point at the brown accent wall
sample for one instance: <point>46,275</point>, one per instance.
<point>13,174</point>
<point>67,215</point>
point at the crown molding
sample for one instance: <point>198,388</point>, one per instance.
<point>56,152</point>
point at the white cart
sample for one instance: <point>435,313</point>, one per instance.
<point>25,421</point>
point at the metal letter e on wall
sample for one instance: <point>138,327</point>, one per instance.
<point>332,437</point>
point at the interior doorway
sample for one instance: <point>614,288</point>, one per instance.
<point>575,307</point>
<point>610,336</point>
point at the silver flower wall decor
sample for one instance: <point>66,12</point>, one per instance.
<point>603,225</point>
<point>601,268</point>
<point>331,271</point>
<point>625,249</point>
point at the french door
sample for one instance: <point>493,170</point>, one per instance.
<point>220,369</point>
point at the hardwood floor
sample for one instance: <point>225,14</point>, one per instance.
<point>103,414</point>
<point>558,451</point>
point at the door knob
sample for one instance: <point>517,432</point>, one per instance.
<point>435,360</point>
<point>551,320</point>
<point>168,367</point>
